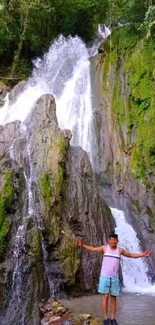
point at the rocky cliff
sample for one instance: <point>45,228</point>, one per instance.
<point>123,77</point>
<point>48,198</point>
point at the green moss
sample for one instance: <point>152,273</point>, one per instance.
<point>51,187</point>
<point>8,189</point>
<point>135,110</point>
<point>60,177</point>
<point>46,189</point>
<point>69,257</point>
<point>2,83</point>
<point>106,67</point>
<point>6,198</point>
<point>62,147</point>
<point>3,227</point>
<point>117,101</point>
<point>36,244</point>
<point>51,182</point>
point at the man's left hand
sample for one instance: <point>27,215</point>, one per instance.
<point>147,253</point>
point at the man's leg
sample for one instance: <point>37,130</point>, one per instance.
<point>115,289</point>
<point>113,306</point>
<point>104,288</point>
<point>105,305</point>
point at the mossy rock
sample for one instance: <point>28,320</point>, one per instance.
<point>51,182</point>
<point>46,188</point>
<point>36,248</point>
<point>51,186</point>
<point>6,198</point>
<point>70,260</point>
<point>133,107</point>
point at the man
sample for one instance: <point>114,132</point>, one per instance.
<point>109,277</point>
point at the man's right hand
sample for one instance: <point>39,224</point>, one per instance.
<point>79,243</point>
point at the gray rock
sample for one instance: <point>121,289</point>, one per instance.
<point>3,92</point>
<point>88,216</point>
<point>17,90</point>
<point>43,115</point>
<point>38,257</point>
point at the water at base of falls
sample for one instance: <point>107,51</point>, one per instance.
<point>134,270</point>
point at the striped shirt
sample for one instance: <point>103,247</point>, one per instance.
<point>111,263</point>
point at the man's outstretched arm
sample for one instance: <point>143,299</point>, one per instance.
<point>134,255</point>
<point>90,248</point>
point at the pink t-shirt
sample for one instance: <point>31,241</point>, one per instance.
<point>111,263</point>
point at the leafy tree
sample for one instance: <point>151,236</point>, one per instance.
<point>27,27</point>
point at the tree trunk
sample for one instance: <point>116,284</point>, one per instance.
<point>20,45</point>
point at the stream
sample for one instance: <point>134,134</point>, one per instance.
<point>135,309</point>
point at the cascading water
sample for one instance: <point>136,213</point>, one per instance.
<point>134,270</point>
<point>65,72</point>
<point>19,243</point>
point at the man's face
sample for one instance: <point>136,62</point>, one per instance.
<point>113,242</point>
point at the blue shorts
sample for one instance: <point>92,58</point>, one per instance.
<point>109,285</point>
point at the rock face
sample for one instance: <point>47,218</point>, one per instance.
<point>86,214</point>
<point>48,198</point>
<point>125,127</point>
<point>3,92</point>
<point>17,90</point>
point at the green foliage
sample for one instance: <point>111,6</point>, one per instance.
<point>127,11</point>
<point>29,26</point>
<point>149,20</point>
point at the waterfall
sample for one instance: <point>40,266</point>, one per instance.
<point>64,71</point>
<point>134,270</point>
<point>104,31</point>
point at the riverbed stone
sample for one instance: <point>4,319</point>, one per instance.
<point>67,318</point>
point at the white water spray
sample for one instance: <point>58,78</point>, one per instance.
<point>64,72</point>
<point>104,31</point>
<point>134,270</point>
